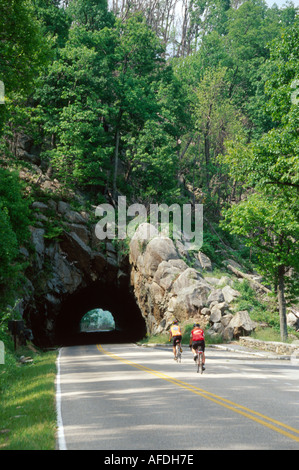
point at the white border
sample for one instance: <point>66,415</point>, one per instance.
<point>60,434</point>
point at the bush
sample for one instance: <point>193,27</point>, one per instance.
<point>14,222</point>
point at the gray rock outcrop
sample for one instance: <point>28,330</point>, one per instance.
<point>166,287</point>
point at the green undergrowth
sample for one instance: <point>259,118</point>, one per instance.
<point>27,401</point>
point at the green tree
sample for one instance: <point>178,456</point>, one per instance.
<point>271,228</point>
<point>23,50</point>
<point>93,15</point>
<point>272,161</point>
<point>269,218</point>
<point>138,64</point>
<point>240,43</point>
<point>71,108</point>
<point>214,120</point>
<point>54,20</point>
<point>14,222</point>
<point>22,45</point>
<point>99,99</point>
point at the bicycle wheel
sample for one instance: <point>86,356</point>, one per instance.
<point>200,363</point>
<point>197,361</point>
<point>178,353</point>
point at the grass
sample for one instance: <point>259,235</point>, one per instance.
<point>27,405</point>
<point>266,334</point>
<point>263,312</point>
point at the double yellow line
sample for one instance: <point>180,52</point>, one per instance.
<point>270,423</point>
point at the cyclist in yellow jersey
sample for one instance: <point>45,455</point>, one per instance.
<point>176,335</point>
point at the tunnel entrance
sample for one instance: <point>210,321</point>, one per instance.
<point>97,320</point>
<point>129,325</point>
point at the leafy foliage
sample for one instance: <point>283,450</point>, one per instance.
<point>110,114</point>
<point>14,221</point>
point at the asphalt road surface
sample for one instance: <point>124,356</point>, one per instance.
<point>126,397</point>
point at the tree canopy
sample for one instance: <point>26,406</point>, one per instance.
<point>133,98</point>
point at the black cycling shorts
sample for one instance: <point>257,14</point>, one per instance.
<point>176,339</point>
<point>200,344</point>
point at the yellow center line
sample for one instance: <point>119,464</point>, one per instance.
<point>242,410</point>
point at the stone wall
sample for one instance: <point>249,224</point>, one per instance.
<point>270,346</point>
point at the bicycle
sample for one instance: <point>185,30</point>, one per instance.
<point>178,354</point>
<point>199,360</point>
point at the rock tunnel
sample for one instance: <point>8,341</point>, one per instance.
<point>79,280</point>
<point>65,331</point>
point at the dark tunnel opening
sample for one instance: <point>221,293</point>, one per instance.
<point>129,324</point>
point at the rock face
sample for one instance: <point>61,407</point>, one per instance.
<point>166,287</point>
<point>70,262</point>
<point>63,266</point>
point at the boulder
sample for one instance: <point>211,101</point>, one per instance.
<point>205,261</point>
<point>224,281</point>
<point>157,250</point>
<point>66,278</point>
<point>228,333</point>
<point>293,320</point>
<point>37,238</point>
<point>205,311</point>
<point>156,293</point>
<point>190,301</point>
<point>79,230</point>
<point>166,275</point>
<point>229,294</point>
<point>98,262</point>
<point>215,315</point>
<point>212,280</point>
<point>74,217</point>
<point>77,251</point>
<point>144,233</point>
<point>218,328</point>
<point>242,324</point>
<point>188,278</point>
<point>216,296</point>
<point>226,319</point>
<point>182,250</point>
<point>40,206</point>
<point>222,306</point>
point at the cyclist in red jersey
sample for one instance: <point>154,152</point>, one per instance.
<point>197,338</point>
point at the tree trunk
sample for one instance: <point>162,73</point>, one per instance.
<point>282,304</point>
<point>207,145</point>
<point>254,284</point>
<point>116,152</point>
<point>115,165</point>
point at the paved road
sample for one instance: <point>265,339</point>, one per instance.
<point>125,397</point>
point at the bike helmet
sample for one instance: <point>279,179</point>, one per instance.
<point>174,322</point>
<point>196,324</point>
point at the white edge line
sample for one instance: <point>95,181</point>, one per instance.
<point>60,436</point>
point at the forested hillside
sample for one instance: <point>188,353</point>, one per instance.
<point>163,102</point>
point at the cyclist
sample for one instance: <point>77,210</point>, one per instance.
<point>176,335</point>
<point>197,338</point>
